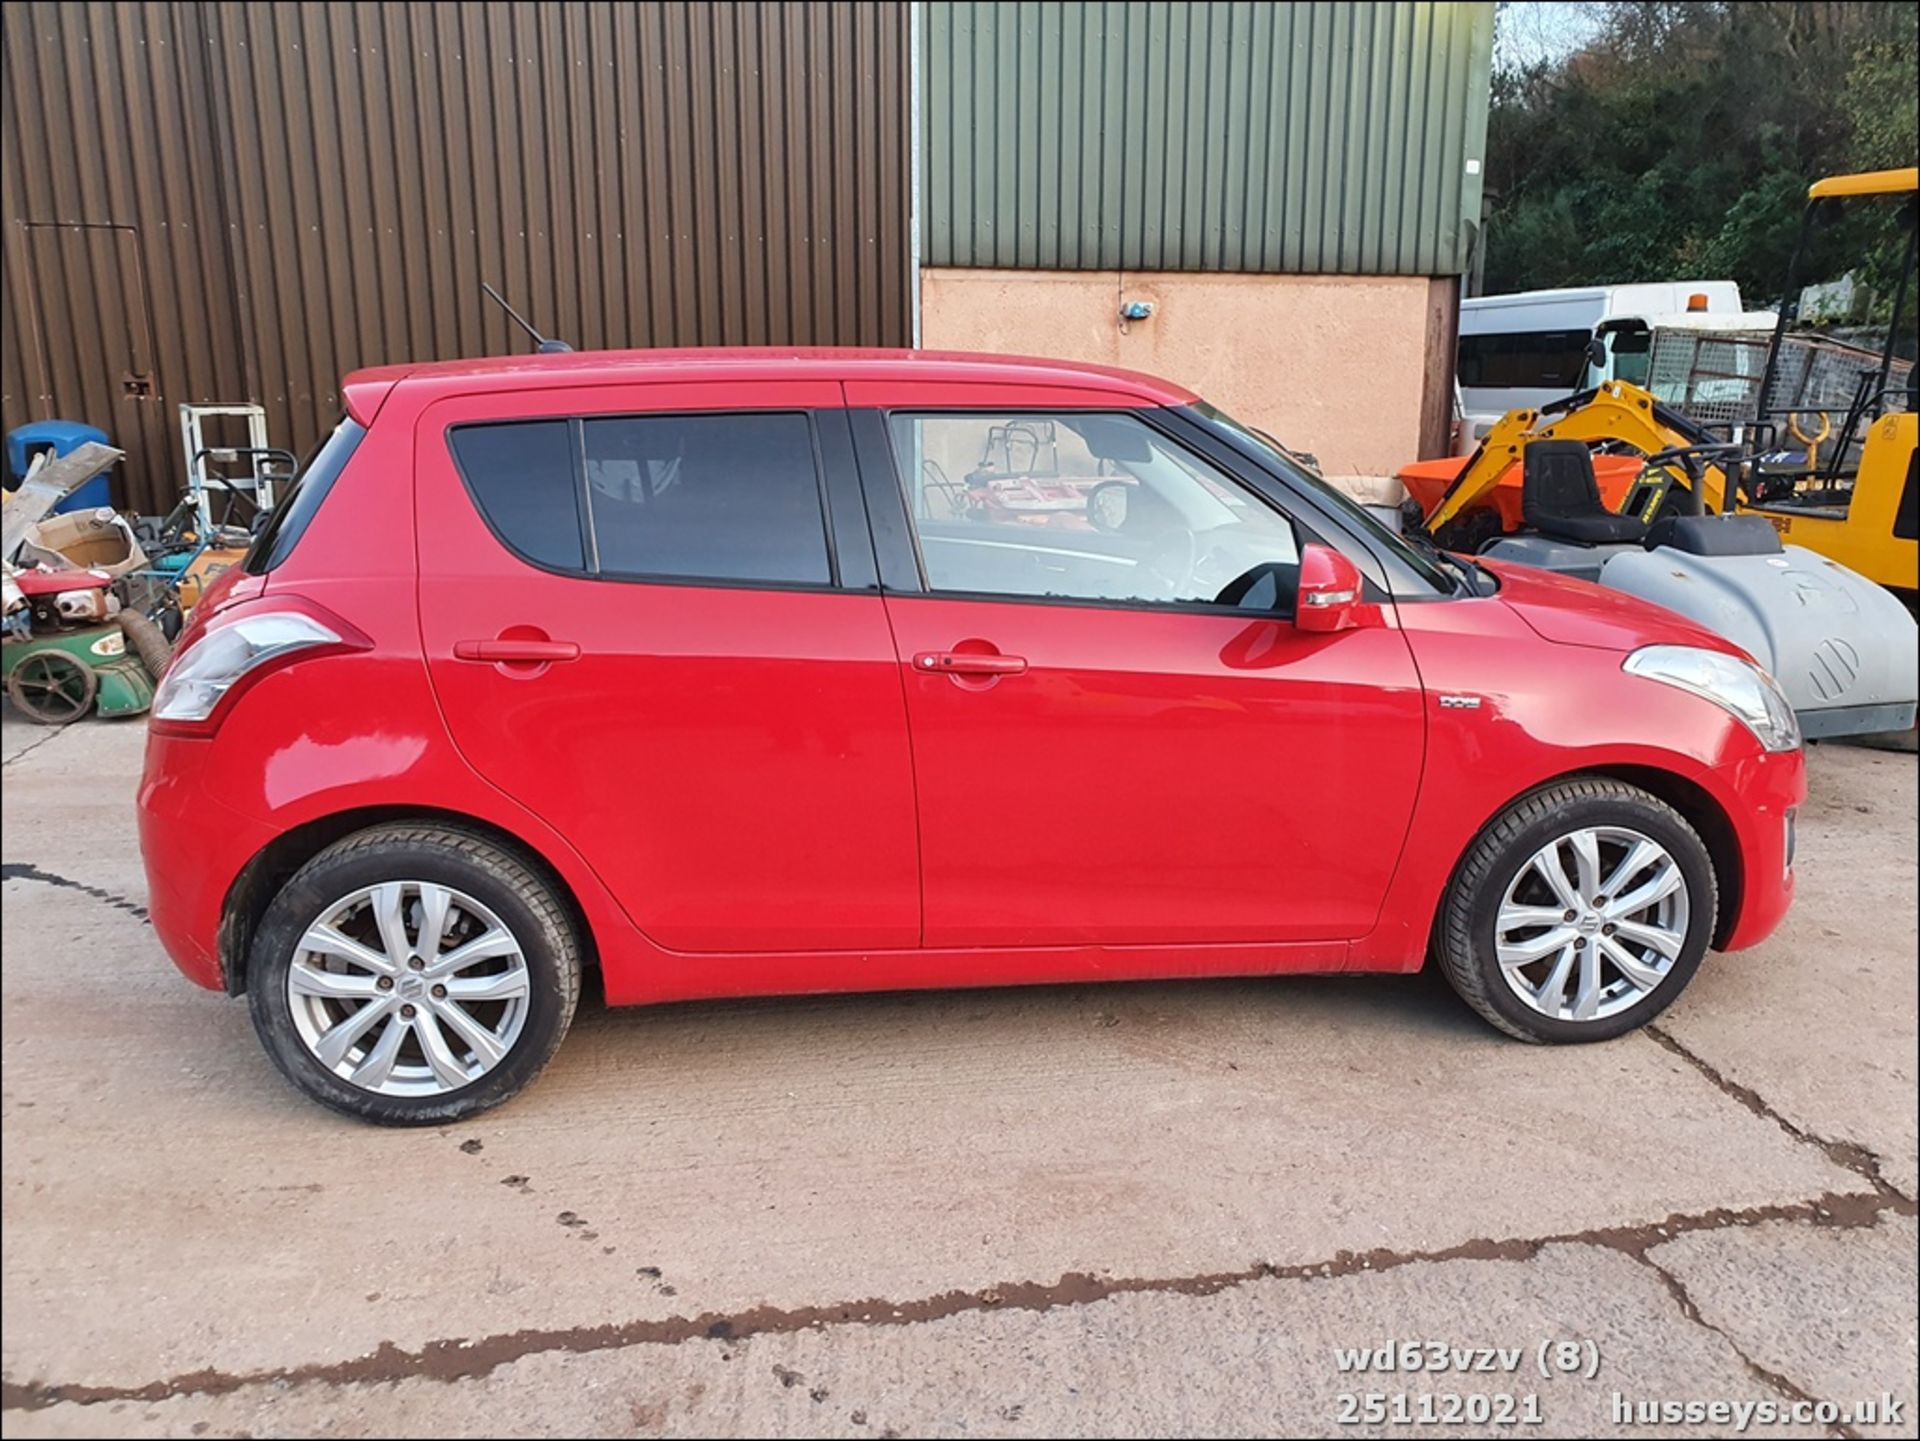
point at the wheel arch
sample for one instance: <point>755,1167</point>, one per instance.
<point>261,878</point>
<point>1696,805</point>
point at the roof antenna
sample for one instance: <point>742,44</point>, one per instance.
<point>541,344</point>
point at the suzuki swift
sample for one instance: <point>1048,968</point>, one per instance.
<point>742,672</point>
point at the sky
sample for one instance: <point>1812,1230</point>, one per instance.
<point>1525,33</point>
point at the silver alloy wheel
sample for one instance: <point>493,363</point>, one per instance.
<point>1592,924</point>
<point>409,988</point>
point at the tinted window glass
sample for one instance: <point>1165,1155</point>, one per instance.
<point>522,477</point>
<point>1524,360</point>
<point>716,497</point>
<point>1084,507</point>
<point>288,520</point>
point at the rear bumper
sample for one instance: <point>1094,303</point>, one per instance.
<point>193,846</point>
<point>1767,792</point>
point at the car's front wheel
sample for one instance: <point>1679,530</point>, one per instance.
<point>413,974</point>
<point>1578,914</point>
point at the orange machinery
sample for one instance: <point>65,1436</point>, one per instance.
<point>1427,481</point>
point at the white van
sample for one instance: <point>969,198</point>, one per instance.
<point>1538,346</point>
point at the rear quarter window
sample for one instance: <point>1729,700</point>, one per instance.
<point>521,476</point>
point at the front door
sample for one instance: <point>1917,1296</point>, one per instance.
<point>639,628</point>
<point>1108,750</point>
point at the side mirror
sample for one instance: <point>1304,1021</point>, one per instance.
<point>1330,593</point>
<point>1597,353</point>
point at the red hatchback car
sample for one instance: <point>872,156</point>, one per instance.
<point>736,672</point>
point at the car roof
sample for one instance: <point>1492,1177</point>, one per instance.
<point>932,367</point>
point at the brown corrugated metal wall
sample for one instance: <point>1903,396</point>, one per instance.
<point>119,294</point>
<point>245,201</point>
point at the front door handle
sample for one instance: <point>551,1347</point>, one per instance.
<point>960,662</point>
<point>516,652</point>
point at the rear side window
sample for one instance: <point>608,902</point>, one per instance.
<point>288,520</point>
<point>713,497</point>
<point>522,477</point>
<point>732,497</point>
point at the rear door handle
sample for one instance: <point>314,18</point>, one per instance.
<point>521,652</point>
<point>956,662</point>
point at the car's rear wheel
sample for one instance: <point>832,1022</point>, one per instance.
<point>413,974</point>
<point>1579,914</point>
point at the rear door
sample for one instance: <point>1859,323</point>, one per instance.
<point>650,621</point>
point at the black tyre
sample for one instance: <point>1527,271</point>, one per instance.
<point>413,975</point>
<point>1579,913</point>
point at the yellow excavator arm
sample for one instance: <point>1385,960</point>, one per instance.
<point>1616,411</point>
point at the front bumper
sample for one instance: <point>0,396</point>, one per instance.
<point>1767,792</point>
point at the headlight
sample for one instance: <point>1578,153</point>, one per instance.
<point>207,669</point>
<point>1733,684</point>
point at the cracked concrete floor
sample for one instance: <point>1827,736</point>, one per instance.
<point>1136,1210</point>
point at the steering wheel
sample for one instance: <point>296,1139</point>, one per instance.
<point>1811,442</point>
<point>1683,452</point>
<point>1689,457</point>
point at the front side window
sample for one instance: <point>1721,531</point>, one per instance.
<point>1085,506</point>
<point>1358,517</point>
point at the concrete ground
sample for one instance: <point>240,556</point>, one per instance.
<point>1135,1210</point>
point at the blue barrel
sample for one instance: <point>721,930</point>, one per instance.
<point>59,437</point>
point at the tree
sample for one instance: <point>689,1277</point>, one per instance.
<point>1678,140</point>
